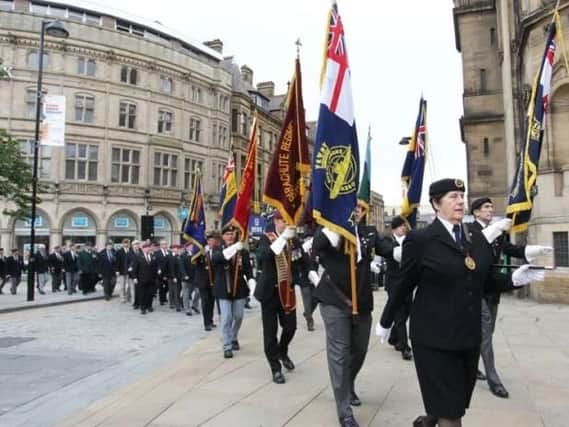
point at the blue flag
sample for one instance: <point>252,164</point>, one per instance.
<point>194,229</point>
<point>228,193</point>
<point>335,171</point>
<point>414,168</point>
<point>524,187</point>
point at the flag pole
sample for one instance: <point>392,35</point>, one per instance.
<point>353,284</point>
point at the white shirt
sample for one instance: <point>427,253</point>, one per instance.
<point>399,239</point>
<point>482,223</point>
<point>449,226</point>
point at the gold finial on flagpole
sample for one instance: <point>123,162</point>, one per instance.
<point>298,44</point>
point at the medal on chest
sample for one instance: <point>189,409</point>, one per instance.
<point>469,262</point>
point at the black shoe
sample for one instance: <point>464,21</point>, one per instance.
<point>287,363</point>
<point>310,324</point>
<point>189,313</point>
<point>178,310</point>
<point>248,306</point>
<point>278,377</point>
<point>425,421</point>
<point>162,303</point>
<point>406,354</point>
<point>354,399</point>
<point>143,311</point>
<point>235,345</point>
<point>228,354</point>
<point>136,307</point>
<point>196,310</point>
<point>349,421</point>
<point>500,391</point>
<point>150,309</point>
<point>208,328</point>
<point>480,376</point>
<point>213,325</point>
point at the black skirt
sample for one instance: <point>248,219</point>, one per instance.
<point>446,379</point>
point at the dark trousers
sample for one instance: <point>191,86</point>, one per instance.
<point>136,301</point>
<point>109,281</point>
<point>56,279</point>
<point>346,348</point>
<point>146,292</point>
<point>489,313</point>
<point>208,302</point>
<point>308,300</point>
<point>399,337</point>
<point>162,285</point>
<point>273,314</point>
<point>174,289</point>
<point>2,282</point>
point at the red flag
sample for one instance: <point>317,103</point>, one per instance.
<point>246,186</point>
<point>285,184</point>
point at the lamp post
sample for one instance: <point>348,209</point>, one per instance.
<point>54,29</point>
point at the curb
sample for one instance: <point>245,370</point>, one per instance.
<point>51,304</point>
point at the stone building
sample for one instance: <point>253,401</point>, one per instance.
<point>502,43</point>
<point>146,108</point>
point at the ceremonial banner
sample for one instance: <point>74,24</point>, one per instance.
<point>194,229</point>
<point>335,169</point>
<point>52,129</point>
<point>524,188</point>
<point>364,193</point>
<point>246,186</point>
<point>285,186</point>
<point>228,193</point>
<point>414,168</point>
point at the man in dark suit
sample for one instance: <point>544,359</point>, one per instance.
<point>56,268</point>
<point>398,338</point>
<point>14,268</point>
<point>275,292</point>
<point>108,269</point>
<point>145,272</point>
<point>124,282</point>
<point>161,256</point>
<point>483,211</point>
<point>71,268</point>
<point>2,270</point>
<point>204,279</point>
<point>176,273</point>
<point>131,258</point>
<point>232,273</point>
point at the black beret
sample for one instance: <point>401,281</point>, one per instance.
<point>443,186</point>
<point>477,204</point>
<point>397,221</point>
<point>228,228</point>
<point>212,234</point>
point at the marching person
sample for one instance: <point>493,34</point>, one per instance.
<point>347,336</point>
<point>190,291</point>
<point>124,282</point>
<point>308,283</point>
<point>483,211</point>
<point>398,337</point>
<point>71,268</point>
<point>176,274</point>
<point>161,255</point>
<point>14,268</point>
<point>56,268</point>
<point>204,279</point>
<point>108,269</point>
<point>232,274</point>
<point>451,266</point>
<point>42,268</point>
<point>2,270</point>
<point>131,260</point>
<point>145,272</point>
<point>88,268</point>
<point>275,292</point>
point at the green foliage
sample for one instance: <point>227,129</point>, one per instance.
<point>15,177</point>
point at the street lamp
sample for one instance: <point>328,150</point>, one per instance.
<point>54,29</point>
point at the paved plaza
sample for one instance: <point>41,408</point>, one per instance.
<point>102,364</point>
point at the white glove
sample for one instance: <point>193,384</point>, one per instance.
<point>289,232</point>
<point>533,251</point>
<point>382,333</point>
<point>279,244</point>
<point>397,251</point>
<point>374,267</point>
<point>135,281</point>
<point>523,276</point>
<point>252,284</point>
<point>333,237</point>
<point>307,245</point>
<point>230,251</point>
<point>313,277</point>
<point>493,231</point>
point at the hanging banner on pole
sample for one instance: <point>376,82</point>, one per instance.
<point>52,129</point>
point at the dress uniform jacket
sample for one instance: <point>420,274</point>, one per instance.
<point>70,264</point>
<point>393,268</point>
<point>446,308</point>
<point>224,273</point>
<point>122,256</point>
<point>42,263</point>
<point>203,268</point>
<point>55,263</point>
<point>267,281</point>
<point>14,266</point>
<point>334,286</point>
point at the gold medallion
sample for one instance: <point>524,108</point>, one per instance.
<point>470,263</point>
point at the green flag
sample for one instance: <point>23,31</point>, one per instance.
<point>365,184</point>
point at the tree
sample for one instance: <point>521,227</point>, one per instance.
<point>15,177</point>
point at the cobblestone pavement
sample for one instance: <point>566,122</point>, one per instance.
<point>54,360</point>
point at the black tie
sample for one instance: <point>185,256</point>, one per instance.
<point>456,232</point>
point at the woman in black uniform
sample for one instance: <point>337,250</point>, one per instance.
<point>451,266</point>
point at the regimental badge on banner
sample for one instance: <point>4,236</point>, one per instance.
<point>52,129</point>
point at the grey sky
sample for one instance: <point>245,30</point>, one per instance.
<point>397,50</point>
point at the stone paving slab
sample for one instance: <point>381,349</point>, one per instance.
<point>200,388</point>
